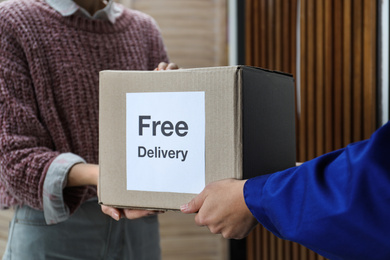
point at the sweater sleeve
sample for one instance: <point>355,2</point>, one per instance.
<point>157,50</point>
<point>26,149</point>
<point>338,204</point>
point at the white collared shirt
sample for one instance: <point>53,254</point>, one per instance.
<point>67,7</point>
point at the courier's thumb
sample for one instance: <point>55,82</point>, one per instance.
<point>191,207</point>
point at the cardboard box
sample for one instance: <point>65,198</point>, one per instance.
<point>164,135</point>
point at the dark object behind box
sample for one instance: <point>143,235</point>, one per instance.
<point>249,128</point>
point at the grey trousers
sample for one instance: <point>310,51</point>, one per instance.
<point>87,234</point>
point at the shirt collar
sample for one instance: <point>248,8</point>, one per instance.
<point>67,7</point>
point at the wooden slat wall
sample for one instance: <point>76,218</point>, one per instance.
<point>271,34</point>
<point>337,81</point>
<point>194,31</point>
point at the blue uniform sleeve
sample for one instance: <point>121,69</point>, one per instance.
<point>337,205</point>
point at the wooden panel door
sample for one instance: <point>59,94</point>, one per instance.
<point>336,87</point>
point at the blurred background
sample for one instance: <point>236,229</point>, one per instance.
<point>338,53</point>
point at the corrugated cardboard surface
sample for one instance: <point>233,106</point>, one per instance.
<point>222,133</point>
<point>224,126</point>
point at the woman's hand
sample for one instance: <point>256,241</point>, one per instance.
<point>166,66</point>
<point>117,214</point>
<point>88,174</point>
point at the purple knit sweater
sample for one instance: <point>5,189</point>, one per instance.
<point>49,71</point>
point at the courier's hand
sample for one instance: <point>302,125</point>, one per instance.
<point>166,66</point>
<point>221,207</point>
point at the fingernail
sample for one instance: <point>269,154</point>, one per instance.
<point>115,216</point>
<point>184,207</point>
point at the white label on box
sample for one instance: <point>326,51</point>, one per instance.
<point>165,141</point>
